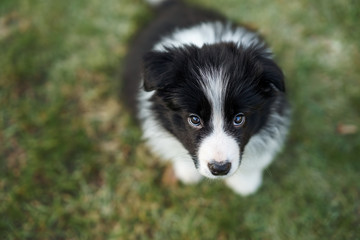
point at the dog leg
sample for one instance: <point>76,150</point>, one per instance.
<point>186,172</point>
<point>245,183</point>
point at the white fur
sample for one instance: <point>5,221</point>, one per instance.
<point>164,144</point>
<point>245,182</point>
<point>186,172</point>
<point>258,154</point>
<point>218,146</point>
<point>214,83</point>
<point>209,33</point>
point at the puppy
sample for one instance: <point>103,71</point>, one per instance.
<point>208,96</point>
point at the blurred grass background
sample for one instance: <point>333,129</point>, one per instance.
<point>72,164</point>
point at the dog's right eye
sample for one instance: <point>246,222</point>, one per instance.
<point>194,121</point>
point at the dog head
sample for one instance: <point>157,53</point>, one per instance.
<point>213,99</point>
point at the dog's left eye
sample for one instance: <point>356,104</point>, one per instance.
<point>239,120</point>
<point>194,121</point>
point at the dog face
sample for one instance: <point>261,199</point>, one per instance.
<point>213,99</point>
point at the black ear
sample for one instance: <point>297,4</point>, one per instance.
<point>158,70</point>
<point>272,76</point>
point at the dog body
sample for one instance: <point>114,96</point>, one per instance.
<point>208,96</point>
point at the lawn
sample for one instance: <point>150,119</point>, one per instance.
<point>72,162</point>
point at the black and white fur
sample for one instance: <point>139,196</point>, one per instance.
<point>208,95</point>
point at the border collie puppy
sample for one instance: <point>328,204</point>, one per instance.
<point>208,95</point>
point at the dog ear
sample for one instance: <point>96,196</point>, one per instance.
<point>272,76</point>
<point>157,69</point>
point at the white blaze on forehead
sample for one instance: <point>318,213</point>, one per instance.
<point>218,145</point>
<point>214,83</point>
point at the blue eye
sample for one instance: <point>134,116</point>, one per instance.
<point>194,121</point>
<point>239,120</point>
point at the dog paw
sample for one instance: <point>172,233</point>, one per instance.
<point>186,172</point>
<point>245,184</point>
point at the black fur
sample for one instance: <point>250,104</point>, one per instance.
<point>255,83</point>
<point>250,91</point>
<point>169,16</point>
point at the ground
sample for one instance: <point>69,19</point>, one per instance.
<point>72,162</point>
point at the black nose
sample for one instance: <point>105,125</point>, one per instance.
<point>219,168</point>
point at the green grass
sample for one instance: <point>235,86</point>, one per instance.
<point>73,166</point>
